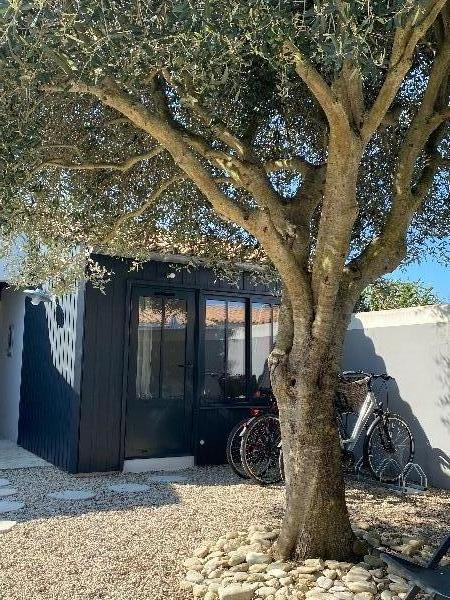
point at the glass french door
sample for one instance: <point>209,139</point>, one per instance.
<point>160,377</point>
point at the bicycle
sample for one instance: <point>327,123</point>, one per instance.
<point>388,444</point>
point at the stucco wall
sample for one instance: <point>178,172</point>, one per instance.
<point>412,345</point>
<point>12,308</point>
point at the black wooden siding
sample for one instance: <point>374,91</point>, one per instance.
<point>50,393</point>
<point>101,430</point>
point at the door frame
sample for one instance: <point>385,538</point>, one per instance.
<point>133,285</point>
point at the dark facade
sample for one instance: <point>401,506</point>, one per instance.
<point>163,362</point>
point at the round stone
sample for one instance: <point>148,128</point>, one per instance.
<point>9,506</point>
<point>324,582</point>
<point>6,526</point>
<point>7,491</point>
<point>129,488</point>
<point>257,558</point>
<point>194,577</point>
<point>72,495</point>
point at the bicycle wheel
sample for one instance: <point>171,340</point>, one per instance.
<point>234,449</point>
<point>388,447</point>
<point>260,449</point>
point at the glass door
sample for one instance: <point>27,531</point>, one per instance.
<point>160,378</point>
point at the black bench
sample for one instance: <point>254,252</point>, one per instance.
<point>431,578</point>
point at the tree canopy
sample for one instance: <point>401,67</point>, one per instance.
<point>238,83</point>
<point>387,294</point>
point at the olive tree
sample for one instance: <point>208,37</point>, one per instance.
<point>309,135</point>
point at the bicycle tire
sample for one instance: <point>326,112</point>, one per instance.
<point>234,449</point>
<point>377,430</point>
<point>260,449</point>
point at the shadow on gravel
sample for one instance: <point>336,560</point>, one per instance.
<point>34,486</point>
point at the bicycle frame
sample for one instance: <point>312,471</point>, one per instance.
<point>367,409</point>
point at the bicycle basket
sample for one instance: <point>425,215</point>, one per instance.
<point>351,393</point>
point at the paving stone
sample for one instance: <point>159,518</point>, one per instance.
<point>7,491</point>
<point>9,506</point>
<point>126,488</point>
<point>72,495</point>
<point>6,526</point>
<point>4,482</point>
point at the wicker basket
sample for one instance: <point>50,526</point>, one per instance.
<point>352,393</point>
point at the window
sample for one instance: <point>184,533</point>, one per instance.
<point>264,320</point>
<point>237,342</point>
<point>225,373</point>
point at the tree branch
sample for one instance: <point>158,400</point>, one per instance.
<point>140,211</point>
<point>405,41</point>
<point>93,166</point>
<point>290,164</point>
<point>323,93</point>
<point>215,125</point>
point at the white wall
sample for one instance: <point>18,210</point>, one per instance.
<point>12,310</point>
<point>412,345</point>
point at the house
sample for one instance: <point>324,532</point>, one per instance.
<point>151,373</point>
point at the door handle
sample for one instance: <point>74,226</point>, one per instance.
<point>186,366</point>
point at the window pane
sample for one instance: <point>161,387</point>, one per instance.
<point>148,353</point>
<point>236,387</point>
<point>215,320</point>
<point>261,344</point>
<point>174,348</point>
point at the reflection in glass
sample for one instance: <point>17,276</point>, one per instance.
<point>148,352</point>
<point>173,348</point>
<point>235,374</point>
<point>215,324</point>
<point>261,344</point>
<point>161,352</point>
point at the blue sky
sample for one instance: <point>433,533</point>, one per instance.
<point>430,273</point>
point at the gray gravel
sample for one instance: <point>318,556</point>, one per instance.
<point>131,546</point>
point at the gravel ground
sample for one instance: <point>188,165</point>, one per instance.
<point>119,546</point>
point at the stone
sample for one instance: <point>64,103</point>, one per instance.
<point>9,506</point>
<point>128,488</point>
<point>311,595</point>
<point>235,592</point>
<point>324,582</point>
<point>330,573</point>
<point>240,567</point>
<point>193,563</point>
<point>6,526</point>
<point>373,561</point>
<point>315,591</point>
<point>361,586</point>
<point>199,590</point>
<point>201,551</point>
<point>257,558</point>
<point>278,573</point>
<point>210,596</point>
<point>194,577</point>
<point>339,587</point>
<point>212,564</point>
<point>314,562</point>
<point>387,595</point>
<point>266,591</point>
<point>7,491</point>
<point>342,595</point>
<point>399,587</point>
<point>257,568</point>
<point>236,558</point>
<point>396,578</point>
<point>308,570</point>
<point>4,482</point>
<point>363,596</point>
<point>286,581</point>
<point>72,495</point>
<point>355,577</point>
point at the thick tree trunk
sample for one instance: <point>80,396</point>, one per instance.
<point>316,521</point>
